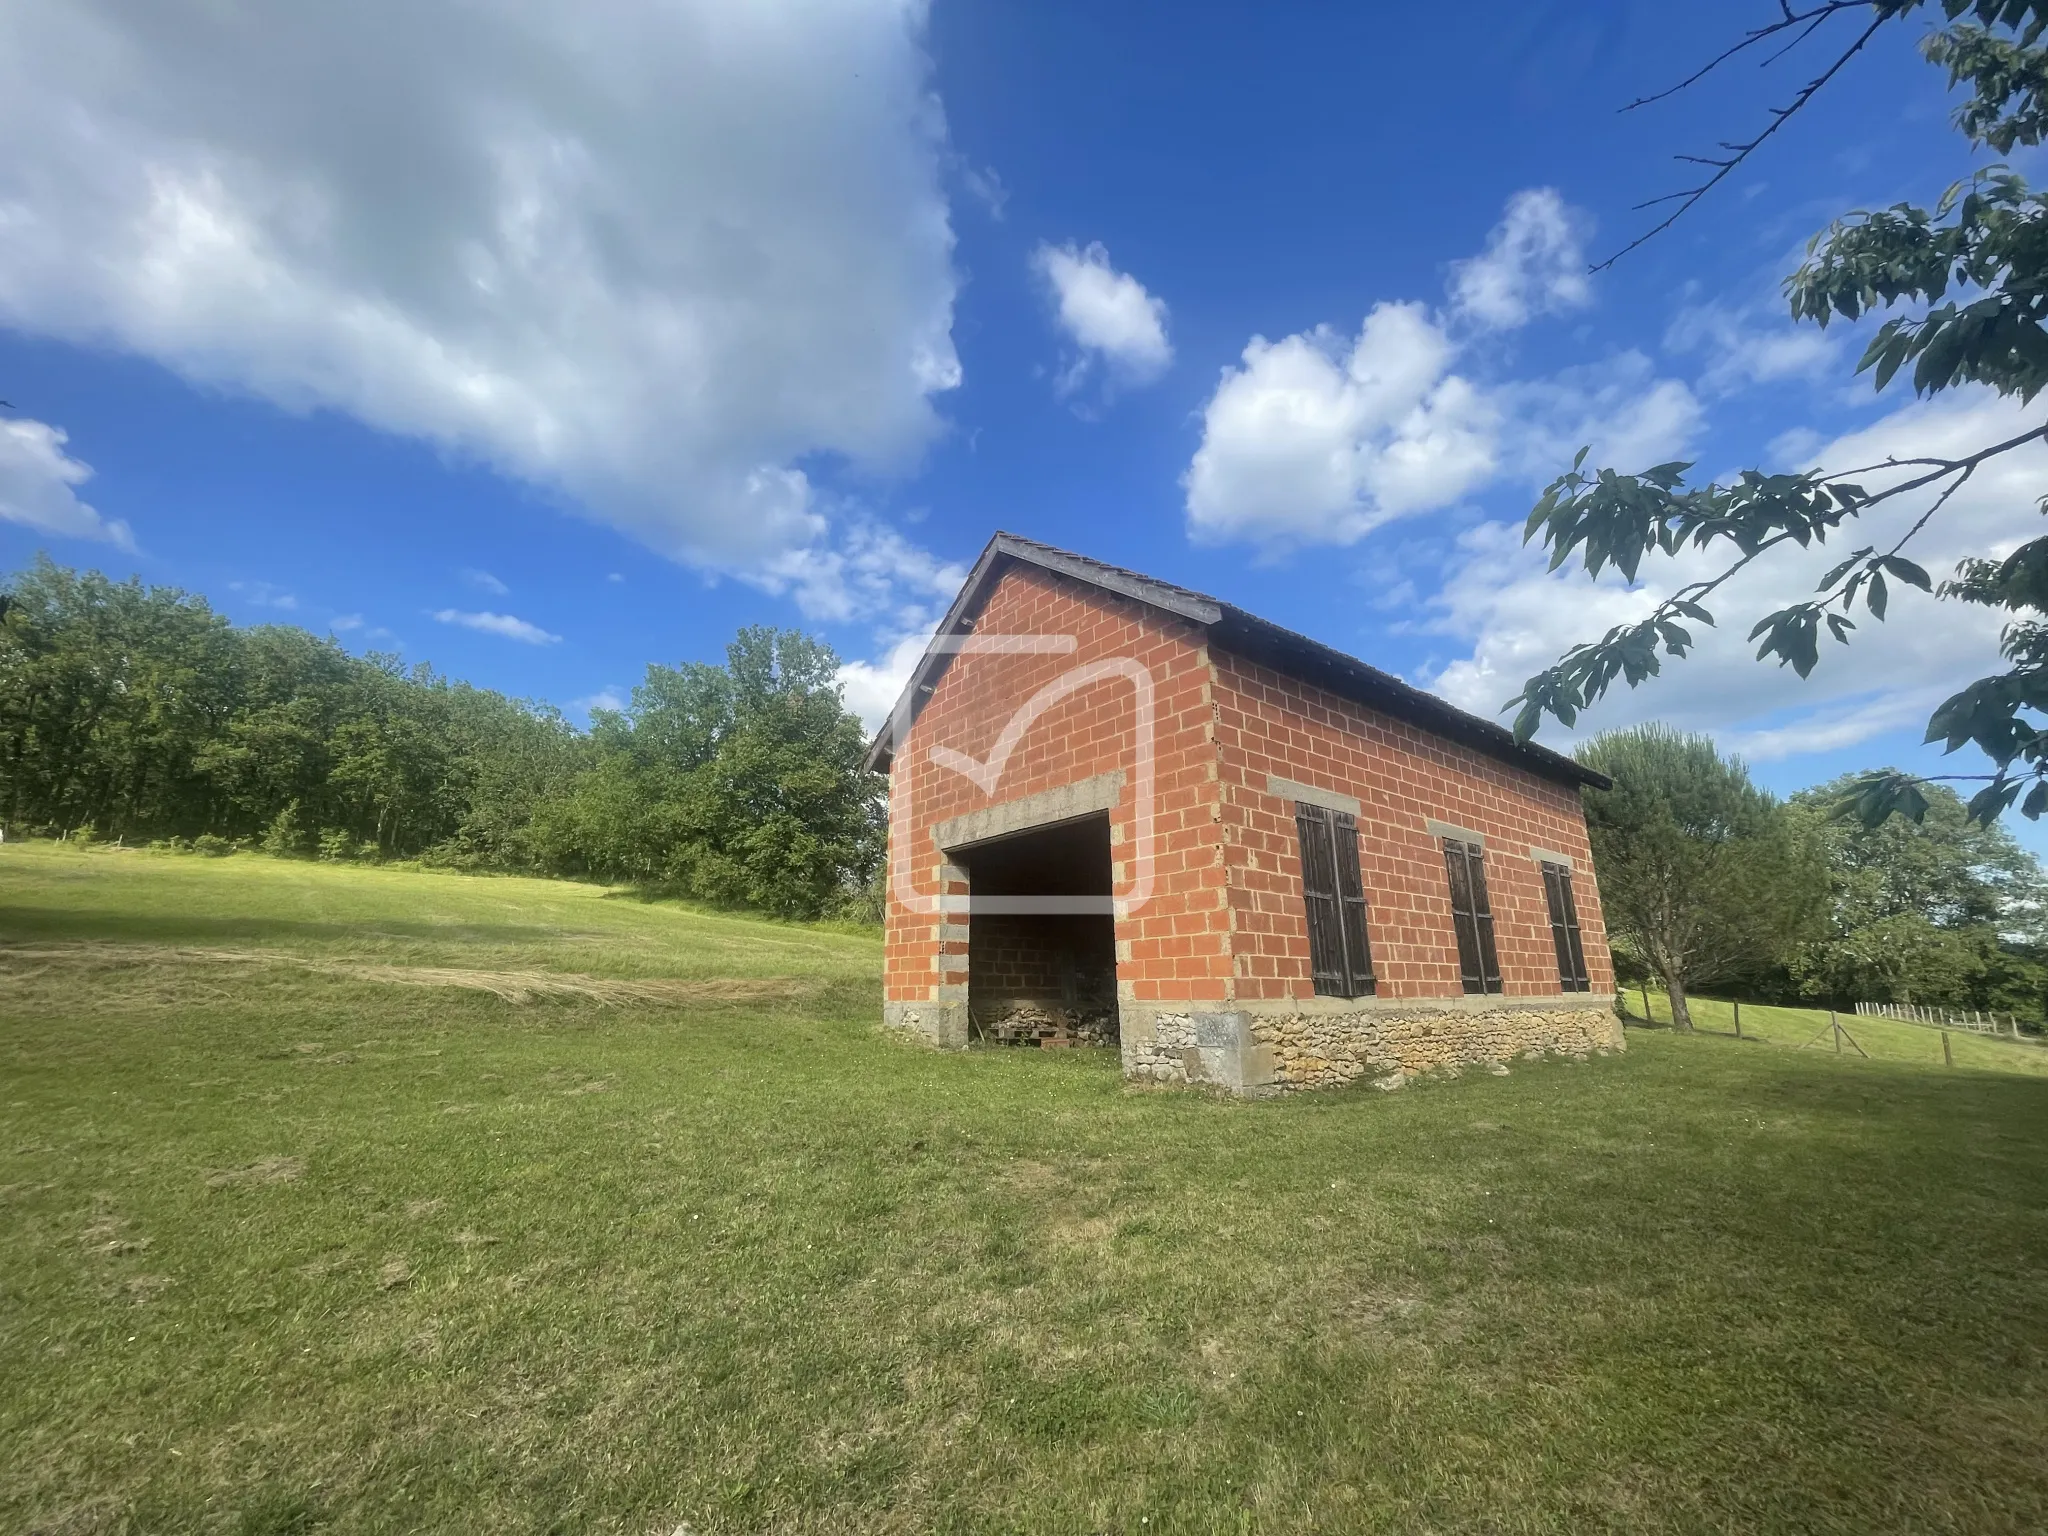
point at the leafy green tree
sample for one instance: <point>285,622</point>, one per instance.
<point>741,784</point>
<point>1702,875</point>
<point>1948,868</point>
<point>516,755</point>
<point>1944,911</point>
<point>788,818</point>
<point>106,692</point>
<point>138,712</point>
<point>1971,277</point>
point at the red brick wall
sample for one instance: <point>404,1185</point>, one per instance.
<point>1271,724</point>
<point>1225,918</point>
<point>1177,946</point>
<point>1038,957</point>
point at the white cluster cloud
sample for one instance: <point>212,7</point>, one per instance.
<point>500,624</point>
<point>1631,418</point>
<point>871,688</point>
<point>1534,264</point>
<point>610,697</point>
<point>1516,619</point>
<point>1319,438</point>
<point>874,576</point>
<point>264,594</point>
<point>1106,314</point>
<point>653,258</point>
<point>1318,441</point>
<point>39,481</point>
<point>1740,351</point>
<point>873,573</point>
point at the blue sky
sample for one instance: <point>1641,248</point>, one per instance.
<point>545,343</point>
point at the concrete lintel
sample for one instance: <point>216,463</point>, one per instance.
<point>1070,802</point>
<point>1308,794</point>
<point>1451,830</point>
<point>1548,856</point>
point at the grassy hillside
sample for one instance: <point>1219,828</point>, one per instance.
<point>310,1225</point>
<point>1881,1039</point>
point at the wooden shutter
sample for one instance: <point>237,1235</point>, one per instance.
<point>1351,905</point>
<point>1564,929</point>
<point>1339,956</point>
<point>1472,916</point>
<point>1319,892</point>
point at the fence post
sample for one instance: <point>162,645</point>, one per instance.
<point>1738,1018</point>
<point>1947,1060</point>
<point>1835,1026</point>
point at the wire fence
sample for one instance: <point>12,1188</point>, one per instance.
<point>1973,1020</point>
<point>1983,1041</point>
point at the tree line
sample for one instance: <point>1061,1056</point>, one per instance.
<point>138,713</point>
<point>1706,880</point>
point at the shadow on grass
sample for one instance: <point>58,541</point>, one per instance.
<point>696,906</point>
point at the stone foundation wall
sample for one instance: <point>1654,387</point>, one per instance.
<point>1158,1052</point>
<point>1328,1049</point>
<point>1270,1048</point>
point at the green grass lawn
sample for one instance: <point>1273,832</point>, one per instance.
<point>300,1236</point>
<point>1880,1039</point>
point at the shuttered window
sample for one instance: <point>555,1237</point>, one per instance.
<point>1564,928</point>
<point>1339,957</point>
<point>1472,916</point>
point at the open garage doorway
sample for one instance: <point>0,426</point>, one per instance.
<point>1041,936</point>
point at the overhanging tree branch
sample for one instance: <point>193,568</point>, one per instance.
<point>1738,152</point>
<point>1805,511</point>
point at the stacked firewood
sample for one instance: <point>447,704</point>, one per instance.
<point>1051,1026</point>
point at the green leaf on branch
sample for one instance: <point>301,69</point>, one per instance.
<point>1907,572</point>
<point>1876,797</point>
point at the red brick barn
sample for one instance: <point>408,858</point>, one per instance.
<point>1121,809</point>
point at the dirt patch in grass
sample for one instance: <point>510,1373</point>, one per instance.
<point>22,964</point>
<point>1081,1231</point>
<point>108,1235</point>
<point>143,1289</point>
<point>526,986</point>
<point>265,1170</point>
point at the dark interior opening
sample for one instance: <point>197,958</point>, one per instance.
<point>1037,974</point>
